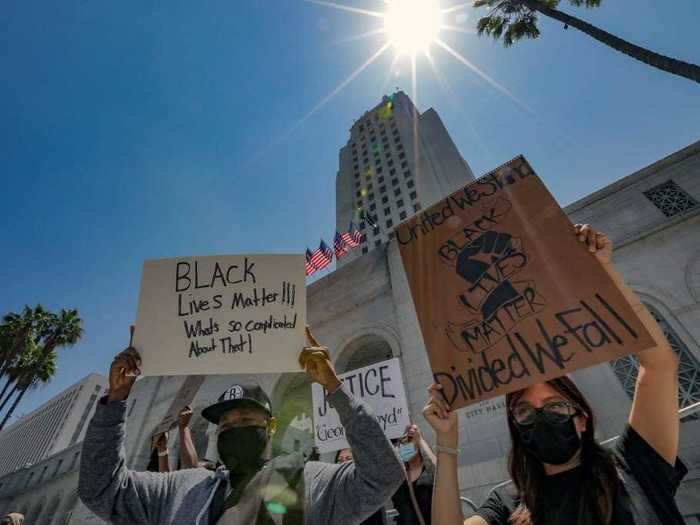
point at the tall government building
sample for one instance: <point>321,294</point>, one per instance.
<point>395,164</point>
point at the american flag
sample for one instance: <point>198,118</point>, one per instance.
<point>353,238</point>
<point>322,257</point>
<point>310,268</point>
<point>341,247</point>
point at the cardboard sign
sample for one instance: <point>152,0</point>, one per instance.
<point>185,395</point>
<point>380,386</point>
<point>505,294</point>
<point>221,315</point>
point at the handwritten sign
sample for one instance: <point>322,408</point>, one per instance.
<point>380,386</point>
<point>184,396</point>
<point>221,315</point>
<point>505,294</point>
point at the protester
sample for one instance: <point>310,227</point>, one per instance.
<point>251,486</point>
<point>560,475</point>
<point>13,518</point>
<point>344,455</point>
<point>413,501</point>
<point>188,453</point>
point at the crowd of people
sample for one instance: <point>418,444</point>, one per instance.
<point>559,473</point>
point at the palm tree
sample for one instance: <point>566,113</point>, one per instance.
<point>20,331</point>
<point>43,368</point>
<point>27,347</point>
<point>512,20</point>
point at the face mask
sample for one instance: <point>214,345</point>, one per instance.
<point>407,452</point>
<point>551,443</point>
<point>241,448</point>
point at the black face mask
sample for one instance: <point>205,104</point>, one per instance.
<point>241,448</point>
<point>551,443</point>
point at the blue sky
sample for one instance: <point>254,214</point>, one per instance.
<point>134,130</point>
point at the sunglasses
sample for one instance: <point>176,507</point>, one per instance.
<point>525,414</point>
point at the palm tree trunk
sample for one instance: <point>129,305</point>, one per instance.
<point>9,396</point>
<point>7,385</point>
<point>14,405</point>
<point>668,64</point>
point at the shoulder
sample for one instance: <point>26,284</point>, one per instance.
<point>500,504</point>
<point>639,459</point>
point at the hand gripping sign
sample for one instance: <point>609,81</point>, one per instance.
<point>505,294</point>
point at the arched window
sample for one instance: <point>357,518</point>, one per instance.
<point>627,367</point>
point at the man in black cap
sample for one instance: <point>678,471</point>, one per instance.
<point>251,487</point>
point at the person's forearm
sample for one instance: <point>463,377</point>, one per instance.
<point>447,509</point>
<point>379,472</point>
<point>188,453</point>
<point>163,465</point>
<point>661,357</point>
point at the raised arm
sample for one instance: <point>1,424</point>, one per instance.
<point>654,414</point>
<point>353,491</point>
<point>188,453</point>
<point>105,485</point>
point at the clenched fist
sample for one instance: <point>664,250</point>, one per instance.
<point>123,373</point>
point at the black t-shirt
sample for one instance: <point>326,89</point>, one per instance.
<point>636,458</point>
<point>423,489</point>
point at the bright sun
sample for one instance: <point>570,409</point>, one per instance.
<point>412,25</point>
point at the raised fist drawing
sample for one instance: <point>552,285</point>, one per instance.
<point>487,264</point>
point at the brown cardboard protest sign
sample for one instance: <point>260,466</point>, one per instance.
<point>505,294</point>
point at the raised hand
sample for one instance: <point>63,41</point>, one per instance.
<point>123,373</point>
<point>183,418</point>
<point>438,413</point>
<point>598,243</point>
<point>316,361</point>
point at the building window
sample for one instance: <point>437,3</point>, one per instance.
<point>390,162</point>
<point>387,211</point>
<point>385,199</point>
<point>394,182</point>
<point>392,171</point>
<point>402,155</point>
<point>58,467</point>
<point>410,183</point>
<point>371,196</point>
<point>397,192</point>
<point>382,189</point>
<point>404,164</point>
<point>377,243</point>
<point>29,479</point>
<point>399,147</point>
<point>362,225</point>
<point>364,249</point>
<point>41,476</point>
<point>670,198</point>
<point>359,193</point>
<point>381,179</point>
<point>389,223</point>
<point>372,206</point>
<point>407,173</point>
<point>413,195</point>
<point>399,203</point>
<point>627,367</point>
<point>380,169</point>
<point>357,183</point>
<point>402,215</point>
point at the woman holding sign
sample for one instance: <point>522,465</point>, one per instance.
<point>560,474</point>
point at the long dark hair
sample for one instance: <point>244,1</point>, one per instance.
<point>599,472</point>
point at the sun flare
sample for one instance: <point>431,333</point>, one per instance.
<point>412,25</point>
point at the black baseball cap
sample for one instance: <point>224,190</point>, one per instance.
<point>237,396</point>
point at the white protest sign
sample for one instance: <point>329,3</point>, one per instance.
<point>221,314</point>
<point>380,386</point>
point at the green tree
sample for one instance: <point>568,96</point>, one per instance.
<point>512,20</point>
<point>40,370</point>
<point>28,344</point>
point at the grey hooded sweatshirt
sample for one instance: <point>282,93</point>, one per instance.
<point>337,494</point>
